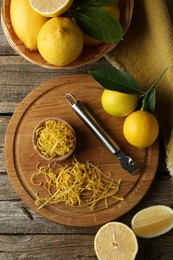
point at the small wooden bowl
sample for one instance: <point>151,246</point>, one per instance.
<point>89,54</point>
<point>57,158</point>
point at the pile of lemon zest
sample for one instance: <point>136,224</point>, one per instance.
<point>81,184</point>
<point>55,138</point>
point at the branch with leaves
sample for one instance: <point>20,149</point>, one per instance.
<point>95,21</point>
<point>119,80</point>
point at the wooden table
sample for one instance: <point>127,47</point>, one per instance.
<point>23,233</point>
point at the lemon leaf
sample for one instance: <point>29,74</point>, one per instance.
<point>87,3</point>
<point>117,80</point>
<point>149,100</point>
<point>83,3</point>
<point>103,2</point>
<point>98,23</point>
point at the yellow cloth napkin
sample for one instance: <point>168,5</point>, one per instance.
<point>145,51</point>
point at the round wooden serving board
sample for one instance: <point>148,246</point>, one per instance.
<point>48,100</point>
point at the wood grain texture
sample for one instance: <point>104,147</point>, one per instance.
<point>82,247</point>
<point>15,220</point>
<point>48,100</point>
<point>28,247</point>
<point>23,238</point>
<point>19,77</point>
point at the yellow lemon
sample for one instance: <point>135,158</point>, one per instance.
<point>115,11</point>
<point>88,40</point>
<point>51,8</point>
<point>60,41</point>
<point>26,22</point>
<point>117,103</point>
<point>115,240</point>
<point>141,128</point>
<point>153,221</point>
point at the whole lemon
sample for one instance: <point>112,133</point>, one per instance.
<point>117,103</point>
<point>60,41</point>
<point>26,22</point>
<point>141,128</point>
<point>115,11</point>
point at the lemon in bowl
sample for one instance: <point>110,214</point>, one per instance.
<point>54,139</point>
<point>26,23</point>
<point>60,41</point>
<point>89,54</point>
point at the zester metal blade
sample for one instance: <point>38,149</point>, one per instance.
<point>85,115</point>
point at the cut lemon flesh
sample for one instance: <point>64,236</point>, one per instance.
<point>115,240</point>
<point>153,221</point>
<point>51,8</point>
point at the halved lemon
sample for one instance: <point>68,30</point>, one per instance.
<point>51,8</point>
<point>153,221</point>
<point>115,240</point>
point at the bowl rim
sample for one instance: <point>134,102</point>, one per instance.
<point>89,52</point>
<point>58,158</point>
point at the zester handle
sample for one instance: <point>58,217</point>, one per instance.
<point>92,123</point>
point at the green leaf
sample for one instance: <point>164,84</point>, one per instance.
<point>149,100</point>
<point>103,2</point>
<point>83,3</point>
<point>117,80</point>
<point>87,3</point>
<point>158,78</point>
<point>98,23</point>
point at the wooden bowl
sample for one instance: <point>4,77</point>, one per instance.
<point>89,54</point>
<point>57,158</point>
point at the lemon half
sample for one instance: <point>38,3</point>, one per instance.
<point>51,8</point>
<point>153,221</point>
<point>115,240</point>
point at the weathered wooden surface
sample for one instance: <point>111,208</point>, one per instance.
<point>23,233</point>
<point>48,100</point>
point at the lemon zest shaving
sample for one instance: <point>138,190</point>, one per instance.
<point>54,138</point>
<point>80,184</point>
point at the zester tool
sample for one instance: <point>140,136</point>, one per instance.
<point>85,115</point>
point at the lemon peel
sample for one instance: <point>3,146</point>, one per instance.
<point>78,184</point>
<point>141,128</point>
<point>54,138</point>
<point>117,103</point>
<point>26,22</point>
<point>60,41</point>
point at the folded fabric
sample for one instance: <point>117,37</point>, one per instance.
<point>145,51</point>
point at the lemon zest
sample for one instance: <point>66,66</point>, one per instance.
<point>54,138</point>
<point>79,184</point>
